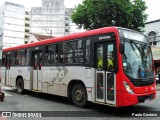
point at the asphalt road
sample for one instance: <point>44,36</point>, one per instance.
<point>58,107</point>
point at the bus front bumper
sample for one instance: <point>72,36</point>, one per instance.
<point>133,99</point>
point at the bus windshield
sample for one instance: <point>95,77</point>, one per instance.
<point>137,60</point>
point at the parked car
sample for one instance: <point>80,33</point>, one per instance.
<point>157,79</point>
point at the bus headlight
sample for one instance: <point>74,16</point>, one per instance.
<point>128,88</point>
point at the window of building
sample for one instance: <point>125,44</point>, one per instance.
<point>20,57</point>
<point>27,19</point>
<point>66,12</point>
<point>51,55</point>
<point>66,24</point>
<point>152,38</point>
<point>66,30</point>
<point>26,36</point>
<point>27,31</point>
<point>66,18</point>
<point>26,24</point>
<point>27,13</point>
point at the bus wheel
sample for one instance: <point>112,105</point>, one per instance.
<point>20,86</point>
<point>79,95</point>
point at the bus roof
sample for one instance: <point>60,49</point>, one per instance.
<point>64,38</point>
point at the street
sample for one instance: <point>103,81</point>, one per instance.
<point>31,101</point>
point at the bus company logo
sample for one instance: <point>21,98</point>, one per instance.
<point>61,73</point>
<point>6,114</point>
<point>19,71</point>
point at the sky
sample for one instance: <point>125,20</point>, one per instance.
<point>152,10</point>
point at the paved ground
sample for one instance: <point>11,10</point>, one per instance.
<point>58,106</point>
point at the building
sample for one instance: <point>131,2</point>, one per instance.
<point>152,30</point>
<point>52,19</point>
<point>72,27</point>
<point>11,25</point>
<point>27,27</point>
<point>48,19</point>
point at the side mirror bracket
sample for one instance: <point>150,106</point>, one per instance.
<point>122,48</point>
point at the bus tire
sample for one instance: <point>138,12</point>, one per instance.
<point>79,95</point>
<point>20,86</point>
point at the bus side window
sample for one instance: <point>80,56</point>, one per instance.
<point>12,58</point>
<point>27,57</point>
<point>79,51</point>
<point>20,57</point>
<point>16,62</point>
<point>87,57</point>
<point>51,54</point>
<point>66,52</point>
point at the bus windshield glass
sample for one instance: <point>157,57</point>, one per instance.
<point>137,60</point>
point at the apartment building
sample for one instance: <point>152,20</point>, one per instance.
<point>11,25</point>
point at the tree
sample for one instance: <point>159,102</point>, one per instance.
<point>92,14</point>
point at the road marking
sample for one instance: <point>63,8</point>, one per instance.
<point>7,94</point>
<point>7,88</point>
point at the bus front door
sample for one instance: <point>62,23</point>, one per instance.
<point>7,71</point>
<point>105,76</point>
<point>37,73</point>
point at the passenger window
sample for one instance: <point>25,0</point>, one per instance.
<point>51,55</point>
<point>66,52</point>
<point>20,57</point>
<point>79,51</point>
<point>87,60</point>
<point>72,52</point>
<point>27,56</point>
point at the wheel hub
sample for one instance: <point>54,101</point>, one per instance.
<point>79,95</point>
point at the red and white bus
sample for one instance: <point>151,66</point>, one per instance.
<point>111,66</point>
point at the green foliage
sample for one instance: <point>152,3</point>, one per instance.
<point>92,14</point>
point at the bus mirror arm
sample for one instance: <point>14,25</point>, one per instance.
<point>121,48</point>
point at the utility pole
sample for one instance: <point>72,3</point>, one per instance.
<point>47,29</point>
